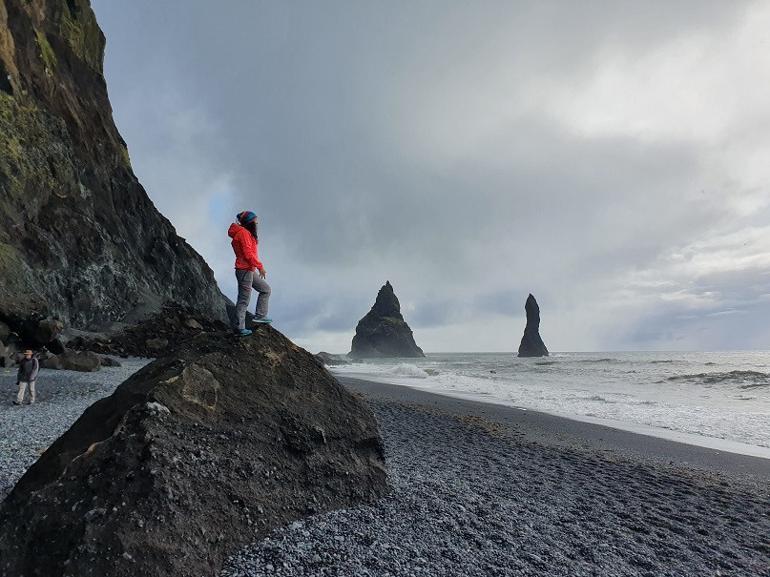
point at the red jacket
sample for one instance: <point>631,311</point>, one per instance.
<point>245,247</point>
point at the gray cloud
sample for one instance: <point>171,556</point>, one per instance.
<point>470,153</point>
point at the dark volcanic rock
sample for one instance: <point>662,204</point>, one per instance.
<point>192,457</point>
<point>47,330</point>
<point>383,332</point>
<point>9,351</point>
<point>79,238</point>
<point>107,361</point>
<point>155,336</point>
<point>83,361</point>
<point>531,343</point>
<point>332,360</point>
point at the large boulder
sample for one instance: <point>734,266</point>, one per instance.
<point>195,455</point>
<point>383,332</point>
<point>47,330</point>
<point>69,360</point>
<point>107,361</point>
<point>531,343</point>
<point>79,237</point>
<point>9,352</point>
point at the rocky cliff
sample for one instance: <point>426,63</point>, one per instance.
<point>79,238</point>
<point>195,455</point>
<point>383,332</point>
<point>531,343</point>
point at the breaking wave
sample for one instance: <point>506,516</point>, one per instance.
<point>408,370</point>
<point>744,379</point>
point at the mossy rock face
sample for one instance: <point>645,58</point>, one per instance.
<point>46,52</point>
<point>82,33</point>
<point>78,235</point>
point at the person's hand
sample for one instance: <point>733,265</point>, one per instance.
<point>262,273</point>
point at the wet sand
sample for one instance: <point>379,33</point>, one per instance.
<point>552,430</point>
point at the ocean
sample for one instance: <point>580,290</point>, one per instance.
<point>714,399</point>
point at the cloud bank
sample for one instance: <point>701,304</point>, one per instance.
<point>611,159</point>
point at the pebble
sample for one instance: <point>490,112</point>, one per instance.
<point>465,503</point>
<point>26,431</point>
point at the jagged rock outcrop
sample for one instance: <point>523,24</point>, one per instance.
<point>331,360</point>
<point>81,361</point>
<point>156,336</point>
<point>383,332</point>
<point>194,456</point>
<point>531,343</point>
<point>79,238</point>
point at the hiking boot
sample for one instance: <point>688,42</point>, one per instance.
<point>16,403</point>
<point>263,320</point>
<point>243,333</point>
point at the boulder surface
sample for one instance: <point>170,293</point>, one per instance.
<point>195,455</point>
<point>531,343</point>
<point>69,360</point>
<point>383,332</point>
<point>156,336</point>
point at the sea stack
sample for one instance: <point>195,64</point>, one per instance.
<point>383,332</point>
<point>531,343</point>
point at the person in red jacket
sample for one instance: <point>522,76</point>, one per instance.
<point>249,271</point>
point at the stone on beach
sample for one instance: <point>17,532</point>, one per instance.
<point>193,456</point>
<point>107,361</point>
<point>332,360</point>
<point>9,351</point>
<point>383,332</point>
<point>532,344</point>
<point>69,360</point>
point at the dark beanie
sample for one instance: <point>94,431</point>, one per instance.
<point>245,217</point>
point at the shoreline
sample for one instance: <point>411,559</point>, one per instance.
<point>719,401</point>
<point>564,431</point>
<point>484,490</point>
<point>480,489</point>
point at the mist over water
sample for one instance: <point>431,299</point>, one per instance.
<point>714,395</point>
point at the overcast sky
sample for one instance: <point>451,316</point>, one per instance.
<point>612,158</point>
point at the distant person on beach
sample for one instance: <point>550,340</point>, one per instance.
<point>249,271</point>
<point>26,377</point>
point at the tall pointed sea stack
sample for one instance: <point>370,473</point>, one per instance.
<point>79,238</point>
<point>383,332</point>
<point>531,343</point>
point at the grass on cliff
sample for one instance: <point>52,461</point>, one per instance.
<point>32,155</point>
<point>46,52</point>
<point>82,32</point>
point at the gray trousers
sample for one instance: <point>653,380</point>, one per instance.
<point>248,279</point>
